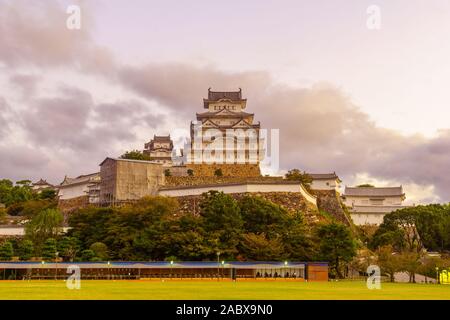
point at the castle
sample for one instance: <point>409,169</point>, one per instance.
<point>226,148</point>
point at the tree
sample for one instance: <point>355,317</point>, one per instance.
<point>87,255</point>
<point>388,261</point>
<point>222,221</point>
<point>261,215</point>
<point>32,207</point>
<point>100,250</point>
<point>46,224</point>
<point>6,251</point>
<point>49,249</point>
<point>410,263</point>
<point>3,215</point>
<point>26,249</point>
<point>298,175</point>
<point>258,247</point>
<point>47,194</point>
<point>336,245</point>
<point>68,248</point>
<point>190,172</point>
<point>135,155</point>
<point>298,241</point>
<point>167,172</point>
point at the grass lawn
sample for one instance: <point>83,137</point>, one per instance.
<point>104,289</point>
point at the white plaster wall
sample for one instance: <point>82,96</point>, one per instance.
<point>73,191</point>
<point>365,201</point>
<point>325,185</point>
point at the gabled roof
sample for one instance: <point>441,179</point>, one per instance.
<point>214,96</point>
<point>41,182</point>
<point>217,95</point>
<point>86,178</point>
<point>324,176</point>
<point>161,139</point>
<point>374,192</point>
<point>223,114</point>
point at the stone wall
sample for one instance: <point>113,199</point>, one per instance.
<point>329,201</point>
<point>208,180</point>
<point>228,170</point>
<point>292,201</point>
<point>70,205</point>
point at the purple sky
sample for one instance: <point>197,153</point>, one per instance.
<point>371,105</point>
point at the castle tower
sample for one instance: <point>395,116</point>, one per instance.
<point>225,133</point>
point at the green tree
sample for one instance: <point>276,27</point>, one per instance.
<point>222,221</point>
<point>26,249</point>
<point>262,216</point>
<point>135,155</point>
<point>258,247</point>
<point>410,263</point>
<point>46,224</point>
<point>399,229</point>
<point>47,194</point>
<point>388,261</point>
<point>6,251</point>
<point>298,175</point>
<point>100,250</point>
<point>298,241</point>
<point>336,245</point>
<point>68,248</point>
<point>87,255</point>
<point>49,249</point>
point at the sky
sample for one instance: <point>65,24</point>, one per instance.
<point>370,104</point>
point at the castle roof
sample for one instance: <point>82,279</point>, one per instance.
<point>221,114</point>
<point>160,139</point>
<point>41,182</point>
<point>231,95</point>
<point>323,176</point>
<point>214,96</point>
<point>374,192</point>
<point>86,178</point>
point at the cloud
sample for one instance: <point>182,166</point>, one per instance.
<point>36,35</point>
<point>181,86</point>
<point>4,110</point>
<point>26,83</point>
<point>321,130</point>
<point>71,129</point>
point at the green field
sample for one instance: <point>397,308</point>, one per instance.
<point>98,289</point>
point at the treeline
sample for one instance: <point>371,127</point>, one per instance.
<point>251,228</point>
<point>415,228</point>
<point>405,238</point>
<point>21,199</point>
